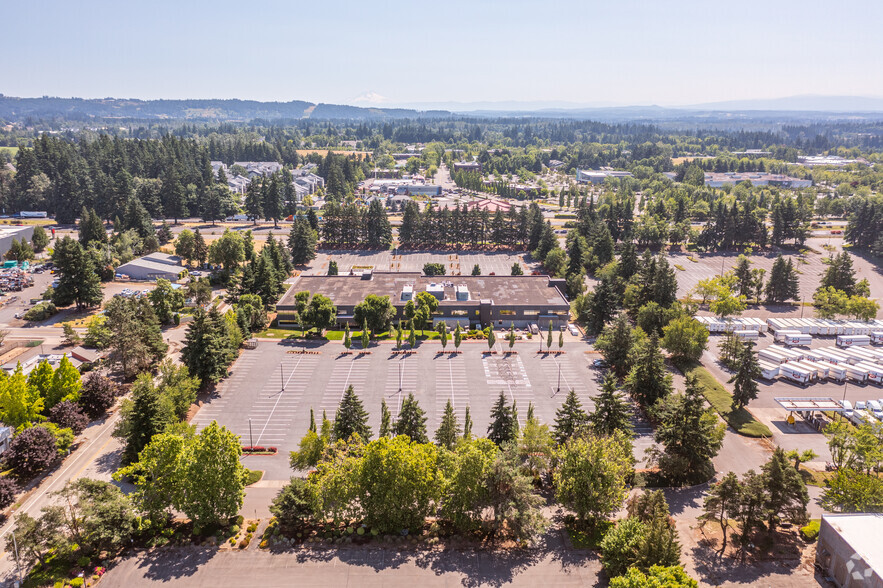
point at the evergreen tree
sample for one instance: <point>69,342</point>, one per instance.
<point>200,248</point>
<point>689,434</point>
<point>254,205</point>
<point>78,280</point>
<point>411,421</point>
<point>312,427</point>
<point>385,420</point>
<point>501,427</point>
<point>745,379</point>
<point>476,270</point>
<point>840,274</point>
<point>612,411</point>
<point>616,343</point>
<point>302,243</point>
<point>648,380</point>
<point>783,284</point>
<point>786,495</point>
<point>744,278</point>
<point>144,416</point>
<point>351,418</point>
<point>332,267</point>
<point>207,350</point>
<point>467,425</point>
<point>449,429</point>
<point>660,546</point>
<point>722,504</point>
<point>570,418</point>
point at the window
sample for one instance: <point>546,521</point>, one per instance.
<point>459,313</point>
<point>507,312</point>
<point>531,312</point>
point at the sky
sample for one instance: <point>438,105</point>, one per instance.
<point>409,52</point>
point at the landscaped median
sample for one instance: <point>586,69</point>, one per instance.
<point>721,401</point>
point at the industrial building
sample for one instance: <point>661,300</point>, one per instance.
<point>468,166</point>
<point>717,180</point>
<point>850,550</point>
<point>7,234</point>
<point>597,176</point>
<point>471,301</point>
<point>151,267</point>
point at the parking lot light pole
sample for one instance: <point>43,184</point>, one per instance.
<point>559,379</point>
<point>250,433</point>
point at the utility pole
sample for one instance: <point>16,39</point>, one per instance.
<point>559,379</point>
<point>17,564</point>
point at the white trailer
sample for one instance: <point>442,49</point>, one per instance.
<point>775,324</point>
<point>768,371</point>
<point>875,372</point>
<point>772,356</point>
<point>835,372</point>
<point>856,374</point>
<point>853,340</point>
<point>798,340</point>
<point>876,337</point>
<point>780,334</point>
<point>860,328</point>
<point>743,335</point>
<point>795,373</point>
<point>821,370</point>
<point>787,352</point>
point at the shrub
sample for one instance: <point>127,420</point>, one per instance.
<point>31,451</point>
<point>811,531</point>
<point>234,530</point>
<point>76,583</point>
<point>295,504</point>
<point>621,544</point>
<point>176,318</point>
<point>97,395</point>
<point>69,415</point>
<point>41,312</point>
<point>8,490</point>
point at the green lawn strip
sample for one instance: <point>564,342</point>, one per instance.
<point>587,538</point>
<point>253,476</point>
<point>721,401</point>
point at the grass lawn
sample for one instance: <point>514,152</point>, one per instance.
<point>813,477</point>
<point>717,396</point>
<point>253,476</point>
<point>587,538</point>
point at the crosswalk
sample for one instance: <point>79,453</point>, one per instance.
<point>268,421</point>
<point>348,371</point>
<point>450,384</point>
<point>507,373</point>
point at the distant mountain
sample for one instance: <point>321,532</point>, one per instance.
<point>12,108</point>
<point>808,102</point>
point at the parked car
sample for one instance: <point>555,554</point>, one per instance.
<point>599,363</point>
<point>573,330</point>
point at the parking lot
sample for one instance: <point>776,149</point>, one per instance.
<point>810,267</point>
<point>413,261</point>
<point>273,388</point>
<point>766,409</point>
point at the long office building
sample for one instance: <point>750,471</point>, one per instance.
<point>470,301</point>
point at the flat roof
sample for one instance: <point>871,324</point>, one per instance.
<point>862,532</point>
<point>346,290</point>
<point>810,403</point>
<point>157,267</point>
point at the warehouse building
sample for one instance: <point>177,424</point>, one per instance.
<point>598,176</point>
<point>19,233</point>
<point>850,550</point>
<point>152,267</point>
<point>717,180</point>
<point>470,301</point>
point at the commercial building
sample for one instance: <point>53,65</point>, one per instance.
<point>7,234</point>
<point>850,550</point>
<point>152,267</point>
<point>717,180</point>
<point>597,176</point>
<point>471,301</point>
<point>468,166</point>
<point>826,160</point>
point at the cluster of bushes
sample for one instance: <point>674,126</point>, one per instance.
<point>47,409</point>
<point>41,311</point>
<point>258,449</point>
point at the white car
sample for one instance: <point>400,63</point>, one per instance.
<point>573,330</point>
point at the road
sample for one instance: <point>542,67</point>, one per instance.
<point>443,178</point>
<point>96,457</point>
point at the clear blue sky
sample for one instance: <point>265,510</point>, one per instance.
<point>589,52</point>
